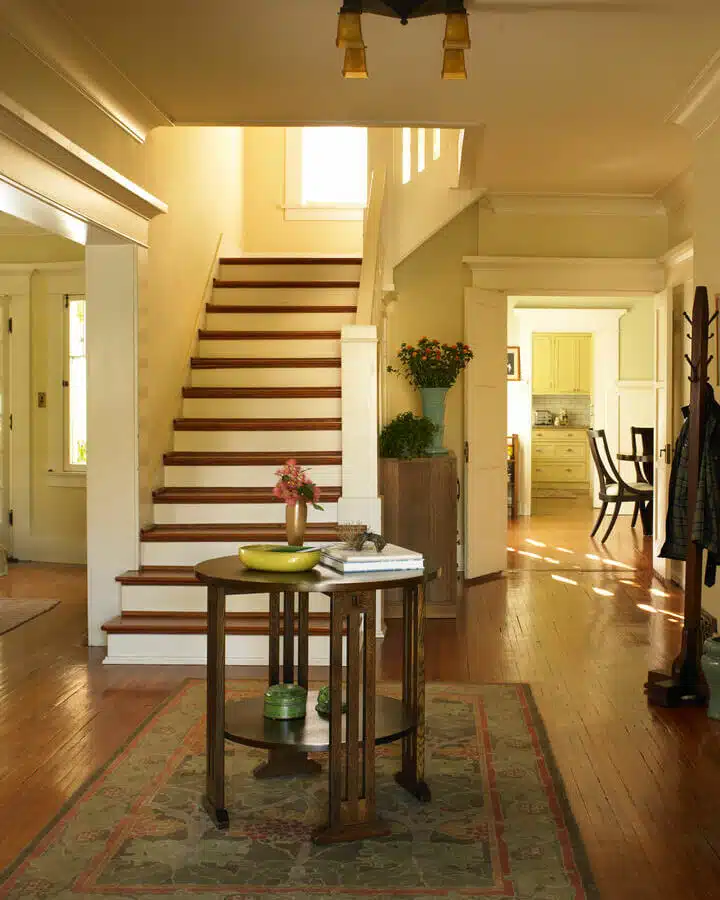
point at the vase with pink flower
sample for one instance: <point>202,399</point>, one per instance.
<point>296,490</point>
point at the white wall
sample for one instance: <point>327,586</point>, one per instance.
<point>604,326</point>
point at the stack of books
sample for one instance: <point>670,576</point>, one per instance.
<point>391,558</point>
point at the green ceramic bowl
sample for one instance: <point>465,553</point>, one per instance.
<point>279,557</point>
<point>285,701</point>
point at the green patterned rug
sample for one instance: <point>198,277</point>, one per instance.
<point>498,825</point>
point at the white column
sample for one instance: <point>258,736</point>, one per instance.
<point>359,501</point>
<point>112,471</point>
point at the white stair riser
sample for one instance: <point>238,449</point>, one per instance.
<point>285,349</point>
<point>262,407</point>
<point>241,476</point>
<point>191,649</point>
<point>251,441</point>
<point>289,272</point>
<point>295,321</point>
<point>190,553</point>
<point>164,598</point>
<point>221,513</point>
<point>320,377</point>
<point>284,296</point>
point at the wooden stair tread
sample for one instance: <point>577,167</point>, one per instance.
<point>224,362</point>
<point>239,310</point>
<point>290,261</point>
<point>258,458</point>
<point>196,623</point>
<point>229,495</point>
<point>217,424</point>
<point>224,283</point>
<point>159,575</point>
<point>206,334</point>
<point>264,393</point>
<point>314,531</point>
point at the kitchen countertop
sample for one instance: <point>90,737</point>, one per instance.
<point>561,427</point>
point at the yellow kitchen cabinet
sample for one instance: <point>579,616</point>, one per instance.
<point>562,363</point>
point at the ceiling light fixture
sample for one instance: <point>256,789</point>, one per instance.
<point>457,31</point>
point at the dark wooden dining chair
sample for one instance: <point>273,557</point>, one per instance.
<point>643,444</point>
<point>614,489</point>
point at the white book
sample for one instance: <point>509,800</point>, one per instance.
<point>369,567</point>
<point>390,552</point>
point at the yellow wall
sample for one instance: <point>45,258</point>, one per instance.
<point>198,173</point>
<point>508,234</point>
<point>38,248</point>
<point>266,229</point>
<point>430,287</point>
<point>57,513</point>
<point>637,342</point>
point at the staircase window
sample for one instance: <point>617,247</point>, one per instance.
<point>75,387</point>
<point>326,173</point>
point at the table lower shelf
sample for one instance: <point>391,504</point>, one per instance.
<point>245,724</point>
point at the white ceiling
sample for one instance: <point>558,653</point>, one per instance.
<point>575,96</point>
<point>12,227</point>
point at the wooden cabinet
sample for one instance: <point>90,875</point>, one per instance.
<point>562,364</point>
<point>560,459</point>
<point>419,498</point>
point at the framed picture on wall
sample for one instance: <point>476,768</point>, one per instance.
<point>513,363</point>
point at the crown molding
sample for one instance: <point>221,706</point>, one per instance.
<point>699,109</point>
<point>26,129</point>
<point>678,192</point>
<point>574,205</point>
<point>56,42</point>
<point>572,276</point>
<point>678,254</point>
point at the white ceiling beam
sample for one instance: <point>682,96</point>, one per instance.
<point>700,107</point>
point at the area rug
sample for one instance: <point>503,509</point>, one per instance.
<point>15,612</point>
<point>498,825</point>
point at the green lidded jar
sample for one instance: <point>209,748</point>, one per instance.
<point>323,702</point>
<point>285,701</point>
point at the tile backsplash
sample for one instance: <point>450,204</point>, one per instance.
<point>579,408</point>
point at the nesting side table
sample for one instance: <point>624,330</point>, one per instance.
<point>350,738</point>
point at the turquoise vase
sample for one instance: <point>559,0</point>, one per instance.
<point>710,663</point>
<point>433,408</point>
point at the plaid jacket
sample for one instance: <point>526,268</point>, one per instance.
<point>706,521</point>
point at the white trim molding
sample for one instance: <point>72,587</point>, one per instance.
<point>700,107</point>
<point>641,205</point>
<point>572,276</point>
<point>54,40</point>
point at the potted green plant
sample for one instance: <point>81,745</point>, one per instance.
<point>433,368</point>
<point>406,437</point>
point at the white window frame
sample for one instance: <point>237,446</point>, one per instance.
<point>294,208</point>
<point>60,472</point>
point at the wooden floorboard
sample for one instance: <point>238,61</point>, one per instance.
<point>642,782</point>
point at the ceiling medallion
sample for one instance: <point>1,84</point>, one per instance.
<point>457,31</point>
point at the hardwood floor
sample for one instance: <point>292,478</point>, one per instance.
<point>641,781</point>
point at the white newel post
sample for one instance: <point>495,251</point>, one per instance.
<point>360,501</point>
<point>111,273</point>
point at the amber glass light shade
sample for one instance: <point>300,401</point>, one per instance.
<point>454,65</point>
<point>457,32</point>
<point>355,65</point>
<point>349,30</point>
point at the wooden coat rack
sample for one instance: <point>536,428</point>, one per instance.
<point>686,685</point>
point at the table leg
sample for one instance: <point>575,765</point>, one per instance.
<point>214,800</point>
<point>352,815</point>
<point>284,761</point>
<point>412,774</point>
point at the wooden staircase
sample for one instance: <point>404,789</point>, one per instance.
<point>264,387</point>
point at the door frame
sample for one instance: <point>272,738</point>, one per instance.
<point>551,277</point>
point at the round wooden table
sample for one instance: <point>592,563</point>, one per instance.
<point>349,737</point>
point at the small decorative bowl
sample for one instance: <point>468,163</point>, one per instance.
<point>279,557</point>
<point>285,701</point>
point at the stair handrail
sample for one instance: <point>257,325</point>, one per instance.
<point>372,270</point>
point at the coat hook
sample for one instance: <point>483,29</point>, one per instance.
<point>710,359</point>
<point>687,317</point>
<point>712,318</point>
<point>688,336</point>
<point>690,362</point>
